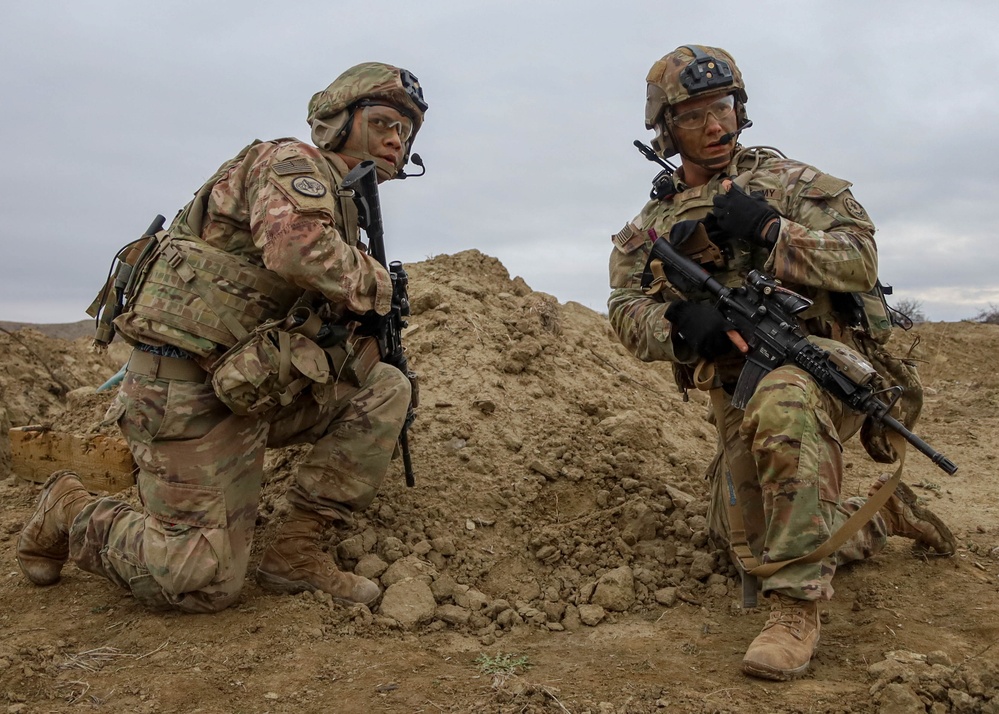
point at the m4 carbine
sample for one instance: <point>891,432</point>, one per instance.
<point>363,181</point>
<point>763,312</point>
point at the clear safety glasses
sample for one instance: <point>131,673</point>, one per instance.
<point>696,118</point>
<point>383,120</point>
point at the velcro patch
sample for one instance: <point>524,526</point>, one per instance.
<point>309,187</point>
<point>628,239</point>
<point>854,208</point>
<point>293,166</point>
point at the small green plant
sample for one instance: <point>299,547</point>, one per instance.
<point>502,665</point>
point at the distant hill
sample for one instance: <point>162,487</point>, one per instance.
<point>62,330</point>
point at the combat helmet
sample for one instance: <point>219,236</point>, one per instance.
<point>686,72</point>
<point>330,110</point>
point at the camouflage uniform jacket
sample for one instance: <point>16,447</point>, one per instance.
<point>825,246</point>
<point>275,206</point>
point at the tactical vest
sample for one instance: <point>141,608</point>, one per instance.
<point>832,314</point>
<point>188,293</point>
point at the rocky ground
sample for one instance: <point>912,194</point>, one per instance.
<point>554,555</point>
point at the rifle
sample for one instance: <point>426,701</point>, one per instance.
<point>763,312</point>
<point>363,181</point>
<point>110,301</point>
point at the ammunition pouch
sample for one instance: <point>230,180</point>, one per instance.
<point>271,367</point>
<point>892,372</point>
<point>690,239</point>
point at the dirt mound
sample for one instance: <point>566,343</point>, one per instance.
<point>559,513</point>
<point>61,330</point>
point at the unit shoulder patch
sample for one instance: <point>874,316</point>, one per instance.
<point>854,208</point>
<point>308,186</point>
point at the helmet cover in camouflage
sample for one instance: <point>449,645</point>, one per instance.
<point>689,71</point>
<point>375,82</point>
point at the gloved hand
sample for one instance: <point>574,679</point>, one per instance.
<point>715,233</point>
<point>701,327</point>
<point>743,216</point>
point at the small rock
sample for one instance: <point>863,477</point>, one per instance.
<point>453,615</point>
<point>591,615</point>
<point>938,657</point>
<point>445,546</point>
<point>370,566</point>
<point>486,406</point>
<point>615,590</point>
<point>702,566</point>
<point>666,596</point>
<point>409,603</point>
<point>408,567</point>
<point>542,468</point>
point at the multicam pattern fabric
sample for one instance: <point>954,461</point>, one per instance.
<point>666,75</point>
<point>254,213</point>
<point>200,464</point>
<point>200,470</point>
<point>792,429</point>
<point>822,248</point>
<point>369,80</point>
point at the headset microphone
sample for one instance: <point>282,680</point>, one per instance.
<point>415,158</point>
<point>726,138</point>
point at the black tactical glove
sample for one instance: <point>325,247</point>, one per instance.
<point>701,327</point>
<point>715,233</point>
<point>744,217</point>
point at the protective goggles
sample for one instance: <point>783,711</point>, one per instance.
<point>696,118</point>
<point>382,120</point>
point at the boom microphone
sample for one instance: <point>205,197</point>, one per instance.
<point>726,138</point>
<point>415,158</point>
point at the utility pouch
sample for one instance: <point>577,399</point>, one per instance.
<point>690,239</point>
<point>352,361</point>
<point>269,369</point>
<point>892,372</point>
<point>110,300</point>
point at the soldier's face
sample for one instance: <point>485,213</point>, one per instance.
<point>700,122</point>
<point>380,131</point>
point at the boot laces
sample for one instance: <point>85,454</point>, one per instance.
<point>788,614</point>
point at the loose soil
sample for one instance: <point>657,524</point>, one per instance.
<point>554,555</point>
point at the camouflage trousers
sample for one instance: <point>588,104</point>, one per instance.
<point>793,432</point>
<point>199,478</point>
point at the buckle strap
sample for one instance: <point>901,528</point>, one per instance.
<point>163,367</point>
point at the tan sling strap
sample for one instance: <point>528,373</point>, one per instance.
<point>744,467</point>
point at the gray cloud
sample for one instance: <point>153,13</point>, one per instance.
<point>115,111</point>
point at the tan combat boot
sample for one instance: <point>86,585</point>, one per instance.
<point>789,639</point>
<point>905,517</point>
<point>294,563</point>
<point>43,546</point>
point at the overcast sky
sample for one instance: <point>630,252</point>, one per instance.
<point>114,111</point>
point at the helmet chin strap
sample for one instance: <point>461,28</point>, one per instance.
<point>383,168</point>
<point>715,165</point>
<point>709,165</point>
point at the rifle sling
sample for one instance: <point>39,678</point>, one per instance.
<point>743,466</point>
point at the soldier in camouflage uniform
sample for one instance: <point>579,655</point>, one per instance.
<point>762,211</point>
<point>269,228</point>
